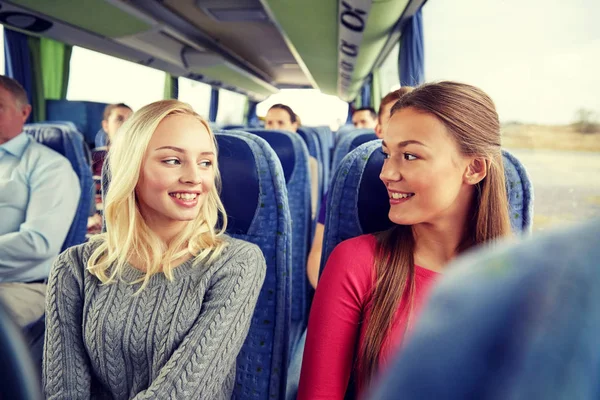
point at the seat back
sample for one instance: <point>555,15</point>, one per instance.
<point>86,115</point>
<point>70,144</point>
<point>255,198</point>
<point>531,309</point>
<point>314,150</point>
<point>345,144</point>
<point>341,132</point>
<point>358,202</point>
<point>20,380</point>
<point>293,155</point>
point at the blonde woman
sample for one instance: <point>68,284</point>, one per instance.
<point>159,306</point>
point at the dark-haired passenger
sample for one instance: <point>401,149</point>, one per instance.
<point>365,117</point>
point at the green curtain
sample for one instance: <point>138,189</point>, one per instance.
<point>50,62</point>
<point>171,87</point>
<point>56,61</point>
<point>38,102</point>
<point>376,90</point>
<point>357,101</point>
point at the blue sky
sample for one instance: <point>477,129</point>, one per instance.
<point>538,59</point>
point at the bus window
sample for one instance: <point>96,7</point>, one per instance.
<point>313,107</point>
<point>196,94</point>
<point>98,77</point>
<point>388,72</point>
<point>231,108</point>
<point>546,95</point>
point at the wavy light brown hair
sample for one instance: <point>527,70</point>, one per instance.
<point>471,119</point>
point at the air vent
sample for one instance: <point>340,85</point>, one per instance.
<point>24,21</point>
<point>237,15</point>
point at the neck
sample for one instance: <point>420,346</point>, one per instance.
<point>437,242</point>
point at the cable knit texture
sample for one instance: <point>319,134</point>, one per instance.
<point>174,340</point>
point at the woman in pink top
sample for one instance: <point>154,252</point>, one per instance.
<point>445,180</point>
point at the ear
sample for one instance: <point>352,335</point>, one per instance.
<point>25,111</point>
<point>476,171</point>
<point>295,125</point>
<point>379,131</point>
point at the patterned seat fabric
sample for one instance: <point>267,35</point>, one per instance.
<point>532,313</point>
<point>68,142</point>
<point>345,144</point>
<point>293,155</point>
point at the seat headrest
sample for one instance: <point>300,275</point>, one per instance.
<point>51,136</point>
<point>283,145</point>
<point>362,138</point>
<point>240,182</point>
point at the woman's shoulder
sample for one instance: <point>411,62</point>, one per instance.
<point>240,248</point>
<point>74,260</point>
<point>360,247</point>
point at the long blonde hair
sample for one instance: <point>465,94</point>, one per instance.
<point>127,235</point>
<point>471,119</point>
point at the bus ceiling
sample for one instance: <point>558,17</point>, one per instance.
<point>254,46</point>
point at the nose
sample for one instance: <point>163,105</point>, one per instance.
<point>389,173</point>
<point>191,175</point>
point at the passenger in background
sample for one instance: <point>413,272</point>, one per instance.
<point>386,106</point>
<point>365,117</point>
<point>164,297</point>
<point>39,194</point>
<point>314,257</point>
<point>281,117</point>
<point>113,117</point>
<point>445,180</point>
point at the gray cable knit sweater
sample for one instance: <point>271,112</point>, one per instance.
<point>175,340</point>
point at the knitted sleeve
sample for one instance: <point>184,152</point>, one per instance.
<point>203,361</point>
<point>66,371</point>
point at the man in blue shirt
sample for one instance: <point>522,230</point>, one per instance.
<point>39,194</point>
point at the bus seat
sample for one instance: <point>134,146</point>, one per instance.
<point>86,115</point>
<point>233,127</point>
<point>349,142</point>
<point>293,155</point>
<point>20,378</point>
<point>359,204</point>
<point>255,198</point>
<point>314,150</point>
<point>531,309</point>
<point>324,144</point>
<point>70,144</point>
<point>341,132</point>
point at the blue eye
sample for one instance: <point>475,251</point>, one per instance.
<point>409,157</point>
<point>205,164</point>
<point>172,161</point>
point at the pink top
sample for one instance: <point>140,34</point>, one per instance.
<point>334,326</point>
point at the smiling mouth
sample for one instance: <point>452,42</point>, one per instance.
<point>399,196</point>
<point>184,196</point>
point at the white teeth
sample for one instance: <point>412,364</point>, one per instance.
<point>400,195</point>
<point>185,196</point>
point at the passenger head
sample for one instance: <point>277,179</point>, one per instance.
<point>113,117</point>
<point>365,118</point>
<point>14,108</point>
<point>443,168</point>
<point>163,200</point>
<point>386,106</point>
<point>281,117</point>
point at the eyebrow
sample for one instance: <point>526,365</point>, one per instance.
<point>405,143</point>
<point>180,150</point>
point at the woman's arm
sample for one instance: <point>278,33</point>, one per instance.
<point>197,369</point>
<point>66,370</point>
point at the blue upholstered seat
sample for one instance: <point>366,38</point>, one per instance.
<point>64,140</point>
